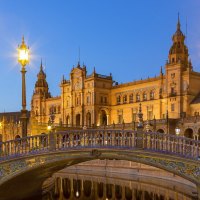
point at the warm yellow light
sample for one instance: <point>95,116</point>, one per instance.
<point>0,124</point>
<point>49,127</point>
<point>77,193</point>
<point>23,54</point>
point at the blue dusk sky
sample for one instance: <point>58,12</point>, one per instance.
<point>127,38</point>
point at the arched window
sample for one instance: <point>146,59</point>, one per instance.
<point>58,109</point>
<point>144,96</point>
<point>131,98</point>
<point>137,97</point>
<point>125,99</point>
<point>54,109</point>
<point>118,99</point>
<point>152,95</point>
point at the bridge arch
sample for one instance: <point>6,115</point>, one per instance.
<point>31,167</point>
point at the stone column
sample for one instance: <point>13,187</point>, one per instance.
<point>72,187</point>
<point>107,119</point>
<point>99,120</point>
<point>61,188</point>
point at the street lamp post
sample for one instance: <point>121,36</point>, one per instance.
<point>23,59</point>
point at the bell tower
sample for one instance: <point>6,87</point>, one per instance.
<point>177,65</point>
<point>40,94</point>
<point>178,52</point>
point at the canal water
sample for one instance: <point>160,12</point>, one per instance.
<point>116,180</point>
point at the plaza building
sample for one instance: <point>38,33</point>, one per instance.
<point>96,100</point>
<point>169,100</point>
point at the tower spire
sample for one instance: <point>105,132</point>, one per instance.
<point>178,24</point>
<point>41,66</point>
<point>161,71</point>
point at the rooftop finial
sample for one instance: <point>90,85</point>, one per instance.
<point>161,71</point>
<point>178,24</point>
<point>63,78</point>
<point>41,66</point>
<point>23,39</point>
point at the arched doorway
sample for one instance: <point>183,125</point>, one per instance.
<point>160,131</point>
<point>103,118</point>
<point>17,137</point>
<point>87,188</point>
<point>67,120</point>
<point>66,188</point>
<point>199,134</point>
<point>188,133</point>
<point>88,119</point>
<point>78,120</point>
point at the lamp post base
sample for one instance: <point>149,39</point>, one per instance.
<point>24,120</point>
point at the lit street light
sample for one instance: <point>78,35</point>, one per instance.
<point>49,126</point>
<point>23,59</point>
<point>177,131</point>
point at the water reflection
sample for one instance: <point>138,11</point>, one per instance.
<point>76,186</point>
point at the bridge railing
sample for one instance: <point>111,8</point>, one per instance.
<point>125,139</point>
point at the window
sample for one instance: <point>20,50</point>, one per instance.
<point>172,107</point>
<point>88,99</point>
<point>150,115</point>
<point>125,99</point>
<point>101,99</point>
<point>120,119</point>
<point>137,97</point>
<point>77,101</point>
<point>163,116</point>
<point>144,96</point>
<point>173,91</point>
<point>134,117</point>
<point>196,113</point>
<point>105,99</point>
<point>131,98</point>
<point>118,100</point>
<point>58,109</point>
<point>54,109</point>
<point>151,95</point>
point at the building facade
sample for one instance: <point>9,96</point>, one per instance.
<point>97,100</point>
<point>169,100</point>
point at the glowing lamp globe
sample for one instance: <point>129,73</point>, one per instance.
<point>23,53</point>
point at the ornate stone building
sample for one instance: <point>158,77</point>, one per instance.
<point>97,100</point>
<point>169,100</point>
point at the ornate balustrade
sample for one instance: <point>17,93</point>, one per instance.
<point>115,139</point>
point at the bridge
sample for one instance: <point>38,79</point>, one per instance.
<point>56,150</point>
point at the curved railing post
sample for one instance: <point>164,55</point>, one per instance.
<point>139,138</point>
<point>52,141</point>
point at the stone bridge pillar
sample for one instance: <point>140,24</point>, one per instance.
<point>198,191</point>
<point>140,137</point>
<point>140,126</point>
<point>52,141</point>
